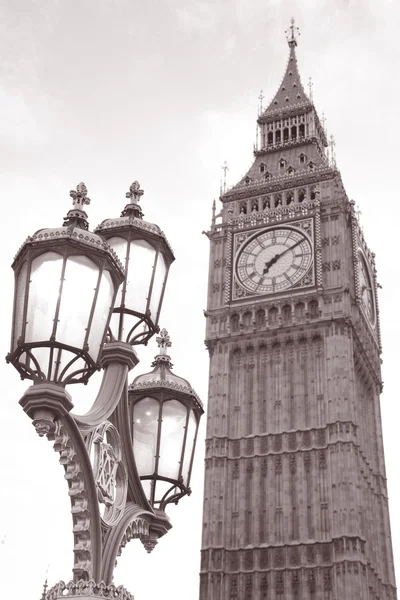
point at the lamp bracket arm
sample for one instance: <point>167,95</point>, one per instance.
<point>134,523</point>
<point>69,443</point>
<point>117,359</point>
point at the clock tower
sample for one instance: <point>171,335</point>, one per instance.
<point>295,498</point>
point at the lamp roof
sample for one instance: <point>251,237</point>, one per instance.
<point>74,228</point>
<point>161,376</point>
<point>132,216</point>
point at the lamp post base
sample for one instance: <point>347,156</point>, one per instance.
<point>87,589</point>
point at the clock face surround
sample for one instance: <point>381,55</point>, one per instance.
<point>366,289</point>
<point>274,260</point>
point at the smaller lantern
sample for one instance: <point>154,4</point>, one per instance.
<point>146,255</point>
<point>165,413</point>
<point>66,280</point>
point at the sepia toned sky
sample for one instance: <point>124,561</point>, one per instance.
<point>109,91</point>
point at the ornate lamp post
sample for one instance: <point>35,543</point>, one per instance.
<point>60,338</point>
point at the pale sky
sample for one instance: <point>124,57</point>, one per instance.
<point>107,92</point>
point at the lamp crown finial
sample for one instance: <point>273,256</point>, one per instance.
<point>163,341</point>
<point>79,196</point>
<point>134,192</point>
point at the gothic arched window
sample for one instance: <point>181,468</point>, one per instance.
<point>313,309</point>
<point>247,319</point>
<point>273,316</point>
<point>299,310</point>
<point>270,138</point>
<point>260,318</point>
<point>289,197</point>
<point>294,132</point>
<point>301,195</point>
<point>287,313</point>
<point>235,322</point>
<point>302,130</point>
<point>286,134</point>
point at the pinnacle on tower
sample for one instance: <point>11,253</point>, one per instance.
<point>291,91</point>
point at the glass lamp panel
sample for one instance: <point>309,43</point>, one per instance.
<point>145,429</point>
<point>79,288</point>
<point>101,314</point>
<point>138,275</point>
<point>162,488</point>
<point>191,434</point>
<point>158,283</point>
<point>172,432</point>
<point>119,245</point>
<point>44,290</point>
<point>61,358</point>
<point>20,287</point>
<point>146,485</point>
<point>42,355</point>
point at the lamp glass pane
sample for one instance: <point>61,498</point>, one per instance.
<point>162,487</point>
<point>145,429</point>
<point>139,273</point>
<point>80,282</point>
<point>101,314</point>
<point>61,361</point>
<point>20,287</point>
<point>172,431</point>
<point>158,283</point>
<point>119,245</point>
<point>44,289</point>
<point>146,485</point>
<point>191,434</point>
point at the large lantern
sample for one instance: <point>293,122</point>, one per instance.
<point>146,255</point>
<point>66,280</point>
<point>165,415</point>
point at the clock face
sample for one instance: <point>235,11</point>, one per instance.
<point>366,290</point>
<point>274,260</point>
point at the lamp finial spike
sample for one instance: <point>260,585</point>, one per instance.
<point>77,216</point>
<point>133,194</point>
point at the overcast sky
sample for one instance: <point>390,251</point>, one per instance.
<point>107,92</point>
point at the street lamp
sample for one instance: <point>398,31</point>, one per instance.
<point>165,413</point>
<point>81,301</point>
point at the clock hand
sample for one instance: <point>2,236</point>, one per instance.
<point>271,262</point>
<point>274,259</point>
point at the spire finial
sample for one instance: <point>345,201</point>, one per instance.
<point>292,33</point>
<point>214,208</point>
<point>225,168</point>
<point>261,98</point>
<point>310,87</point>
<point>332,144</point>
<point>133,194</point>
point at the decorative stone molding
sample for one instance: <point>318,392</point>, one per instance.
<point>88,589</point>
<point>84,506</point>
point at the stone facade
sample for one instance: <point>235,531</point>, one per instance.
<point>295,499</point>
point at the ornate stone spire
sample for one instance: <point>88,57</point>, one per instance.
<point>291,91</point>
